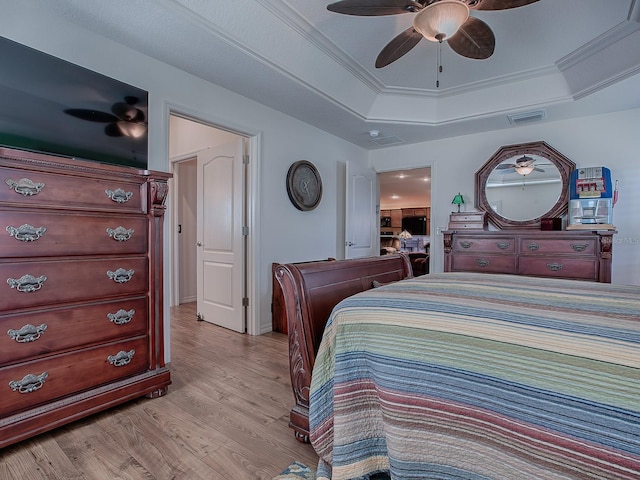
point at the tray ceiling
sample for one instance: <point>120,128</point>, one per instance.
<point>554,59</point>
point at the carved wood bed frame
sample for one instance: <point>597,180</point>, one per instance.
<point>310,291</point>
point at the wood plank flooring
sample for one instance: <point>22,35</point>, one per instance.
<point>225,417</point>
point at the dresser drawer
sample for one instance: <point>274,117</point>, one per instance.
<point>44,332</point>
<point>484,263</point>
<point>489,245</point>
<point>578,268</point>
<point>32,383</point>
<point>32,284</point>
<point>43,189</point>
<point>27,233</point>
<point>466,226</point>
<point>576,246</point>
<point>467,217</point>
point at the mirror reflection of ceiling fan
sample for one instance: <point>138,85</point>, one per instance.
<point>435,20</point>
<point>522,166</point>
<point>125,120</point>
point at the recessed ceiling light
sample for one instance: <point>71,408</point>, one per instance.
<point>402,175</point>
<point>395,197</point>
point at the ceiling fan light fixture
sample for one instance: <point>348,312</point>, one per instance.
<point>132,129</point>
<point>441,20</point>
<point>524,169</point>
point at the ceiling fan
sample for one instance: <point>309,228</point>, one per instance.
<point>435,20</point>
<point>522,166</point>
<point>125,120</point>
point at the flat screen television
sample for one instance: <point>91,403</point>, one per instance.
<point>415,225</point>
<point>53,106</point>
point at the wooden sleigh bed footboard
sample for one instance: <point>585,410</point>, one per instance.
<point>310,291</point>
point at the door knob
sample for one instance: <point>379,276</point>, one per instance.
<point>199,244</point>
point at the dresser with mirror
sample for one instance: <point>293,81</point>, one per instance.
<point>523,189</point>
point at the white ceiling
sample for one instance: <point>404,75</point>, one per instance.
<point>562,58</point>
<point>405,188</point>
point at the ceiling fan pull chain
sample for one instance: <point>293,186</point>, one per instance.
<point>439,60</point>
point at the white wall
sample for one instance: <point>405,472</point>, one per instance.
<point>187,137</point>
<point>184,223</point>
<point>609,140</point>
<point>283,233</point>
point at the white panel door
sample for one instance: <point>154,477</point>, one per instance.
<point>361,215</point>
<point>219,232</point>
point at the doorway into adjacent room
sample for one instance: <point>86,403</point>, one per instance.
<point>405,215</point>
<point>208,220</point>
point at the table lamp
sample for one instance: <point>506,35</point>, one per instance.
<point>404,235</point>
<point>458,200</point>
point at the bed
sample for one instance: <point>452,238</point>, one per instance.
<point>477,376</point>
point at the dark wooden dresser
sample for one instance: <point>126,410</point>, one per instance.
<point>582,255</point>
<point>81,304</point>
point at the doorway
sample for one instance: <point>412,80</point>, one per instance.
<point>193,144</point>
<point>405,213</point>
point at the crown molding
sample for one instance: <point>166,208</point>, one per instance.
<point>312,35</point>
<point>598,44</point>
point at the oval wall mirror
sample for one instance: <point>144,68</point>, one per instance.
<point>522,183</point>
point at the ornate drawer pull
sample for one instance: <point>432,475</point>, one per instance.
<point>122,358</point>
<point>28,333</point>
<point>27,283</point>
<point>503,245</point>
<point>533,246</point>
<point>482,263</point>
<point>120,234</point>
<point>26,232</point>
<point>554,267</point>
<point>24,186</point>
<point>121,317</point>
<point>121,275</point>
<point>579,247</point>
<point>30,383</point>
<point>466,244</point>
<point>119,195</point>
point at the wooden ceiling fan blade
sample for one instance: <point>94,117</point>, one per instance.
<point>474,39</point>
<point>499,4</point>
<point>372,8</point>
<point>398,47</point>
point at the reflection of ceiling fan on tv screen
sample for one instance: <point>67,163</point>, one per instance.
<point>435,20</point>
<point>125,120</point>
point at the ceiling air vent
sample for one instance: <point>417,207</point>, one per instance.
<point>527,117</point>
<point>386,141</point>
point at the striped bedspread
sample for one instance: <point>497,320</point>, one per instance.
<point>477,376</point>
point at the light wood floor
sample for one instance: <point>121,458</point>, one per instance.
<point>225,417</point>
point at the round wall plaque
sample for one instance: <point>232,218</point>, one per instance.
<point>304,185</point>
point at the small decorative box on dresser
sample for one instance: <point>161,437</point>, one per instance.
<point>581,255</point>
<point>468,220</point>
<point>81,320</point>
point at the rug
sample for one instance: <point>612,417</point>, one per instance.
<point>297,471</point>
